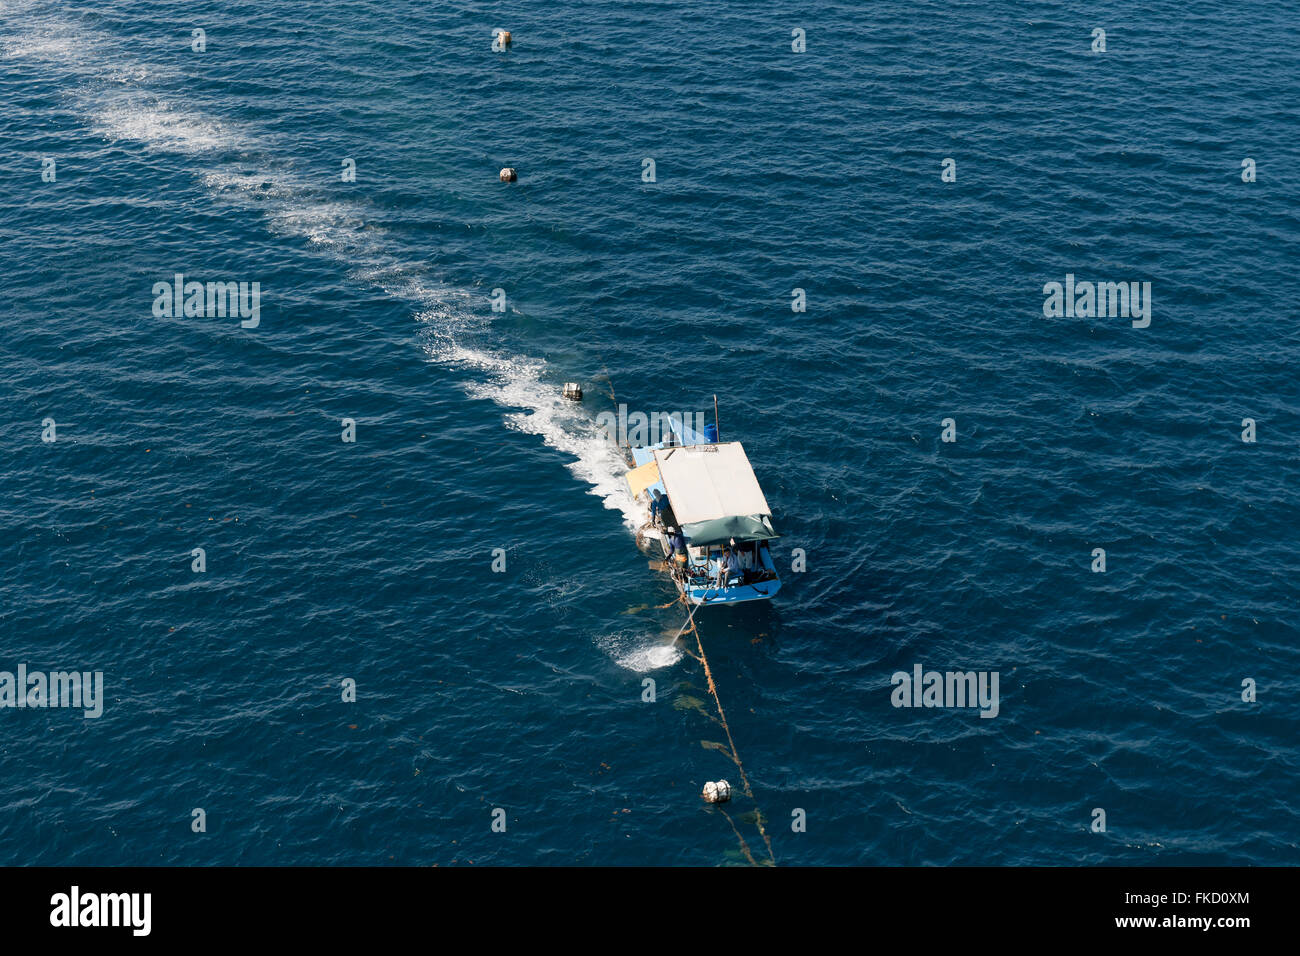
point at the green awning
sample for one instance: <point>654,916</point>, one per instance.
<point>722,530</point>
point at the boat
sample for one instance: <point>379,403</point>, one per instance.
<point>702,506</point>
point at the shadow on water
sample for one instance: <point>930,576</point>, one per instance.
<point>732,630</point>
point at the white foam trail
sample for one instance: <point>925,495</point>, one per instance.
<point>43,37</point>
<point>244,170</point>
<point>640,659</point>
<point>517,383</point>
<point>159,125</point>
<point>52,46</point>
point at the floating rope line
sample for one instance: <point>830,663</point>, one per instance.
<point>608,381</point>
<point>731,743</point>
<point>744,847</point>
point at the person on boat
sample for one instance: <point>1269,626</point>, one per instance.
<point>662,510</point>
<point>728,567</point>
<point>676,544</point>
<point>747,559</point>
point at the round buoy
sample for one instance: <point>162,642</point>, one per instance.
<point>719,792</point>
<point>508,174</point>
<point>573,391</point>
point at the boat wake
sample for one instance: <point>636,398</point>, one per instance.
<point>535,408</point>
<point>110,89</point>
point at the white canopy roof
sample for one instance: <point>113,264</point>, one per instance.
<point>705,482</point>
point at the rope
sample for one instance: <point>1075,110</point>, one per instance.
<point>731,743</point>
<point>608,381</point>
<point>744,847</point>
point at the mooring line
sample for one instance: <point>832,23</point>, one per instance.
<point>608,381</point>
<point>731,743</point>
<point>744,847</point>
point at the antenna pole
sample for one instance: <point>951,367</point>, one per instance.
<point>715,416</point>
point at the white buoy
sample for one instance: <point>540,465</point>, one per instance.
<point>508,174</point>
<point>500,40</point>
<point>717,792</point>
<point>573,391</point>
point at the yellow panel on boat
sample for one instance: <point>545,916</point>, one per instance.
<point>639,479</point>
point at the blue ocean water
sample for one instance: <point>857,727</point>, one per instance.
<point>774,170</point>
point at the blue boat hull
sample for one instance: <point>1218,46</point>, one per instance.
<point>761,591</point>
